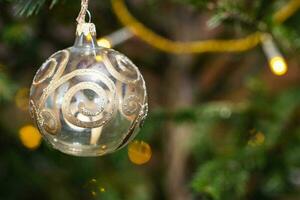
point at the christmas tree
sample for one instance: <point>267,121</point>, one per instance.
<point>223,88</point>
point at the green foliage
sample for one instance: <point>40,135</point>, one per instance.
<point>7,87</point>
<point>16,33</point>
<point>221,179</point>
<point>244,16</point>
<point>29,7</point>
<point>235,168</point>
<point>197,3</point>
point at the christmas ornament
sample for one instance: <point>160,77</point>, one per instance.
<point>88,100</point>
<point>139,152</point>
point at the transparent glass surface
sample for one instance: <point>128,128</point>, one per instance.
<point>88,100</point>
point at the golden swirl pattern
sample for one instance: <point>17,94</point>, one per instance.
<point>132,131</point>
<point>143,114</point>
<point>104,88</point>
<point>121,68</point>
<point>89,112</point>
<point>49,67</point>
<point>101,114</point>
<point>46,119</point>
<point>131,105</point>
<point>50,121</point>
<point>34,113</point>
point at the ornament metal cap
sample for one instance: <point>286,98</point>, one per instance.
<point>86,29</point>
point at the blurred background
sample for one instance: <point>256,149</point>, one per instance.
<point>221,126</point>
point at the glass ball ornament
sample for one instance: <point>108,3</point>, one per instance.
<point>88,100</point>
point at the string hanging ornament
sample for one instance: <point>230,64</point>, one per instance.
<point>88,100</point>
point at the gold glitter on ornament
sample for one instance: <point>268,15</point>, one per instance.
<point>139,152</point>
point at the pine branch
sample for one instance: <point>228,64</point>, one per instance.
<point>7,88</point>
<point>196,3</point>
<point>29,7</point>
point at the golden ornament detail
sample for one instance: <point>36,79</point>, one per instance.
<point>88,100</point>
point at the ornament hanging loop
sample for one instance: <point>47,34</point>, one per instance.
<point>84,27</point>
<point>90,16</point>
<point>84,9</point>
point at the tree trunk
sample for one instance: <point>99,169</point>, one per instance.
<point>179,94</point>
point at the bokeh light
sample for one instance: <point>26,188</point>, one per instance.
<point>278,66</point>
<point>2,67</point>
<point>30,137</point>
<point>94,188</point>
<point>104,43</point>
<point>257,139</point>
<point>89,37</point>
<point>98,58</point>
<point>22,99</point>
<point>139,152</point>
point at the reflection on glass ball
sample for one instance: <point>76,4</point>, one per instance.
<point>88,100</point>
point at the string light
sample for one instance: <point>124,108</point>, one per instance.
<point>104,42</point>
<point>115,38</point>
<point>30,137</point>
<point>287,11</point>
<point>276,61</point>
<point>167,45</point>
<point>139,152</point>
<point>164,44</point>
<point>278,66</point>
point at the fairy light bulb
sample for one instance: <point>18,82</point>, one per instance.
<point>104,42</point>
<point>276,61</point>
<point>115,38</point>
<point>278,66</point>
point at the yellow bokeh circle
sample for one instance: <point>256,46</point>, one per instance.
<point>139,152</point>
<point>22,99</point>
<point>30,137</point>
